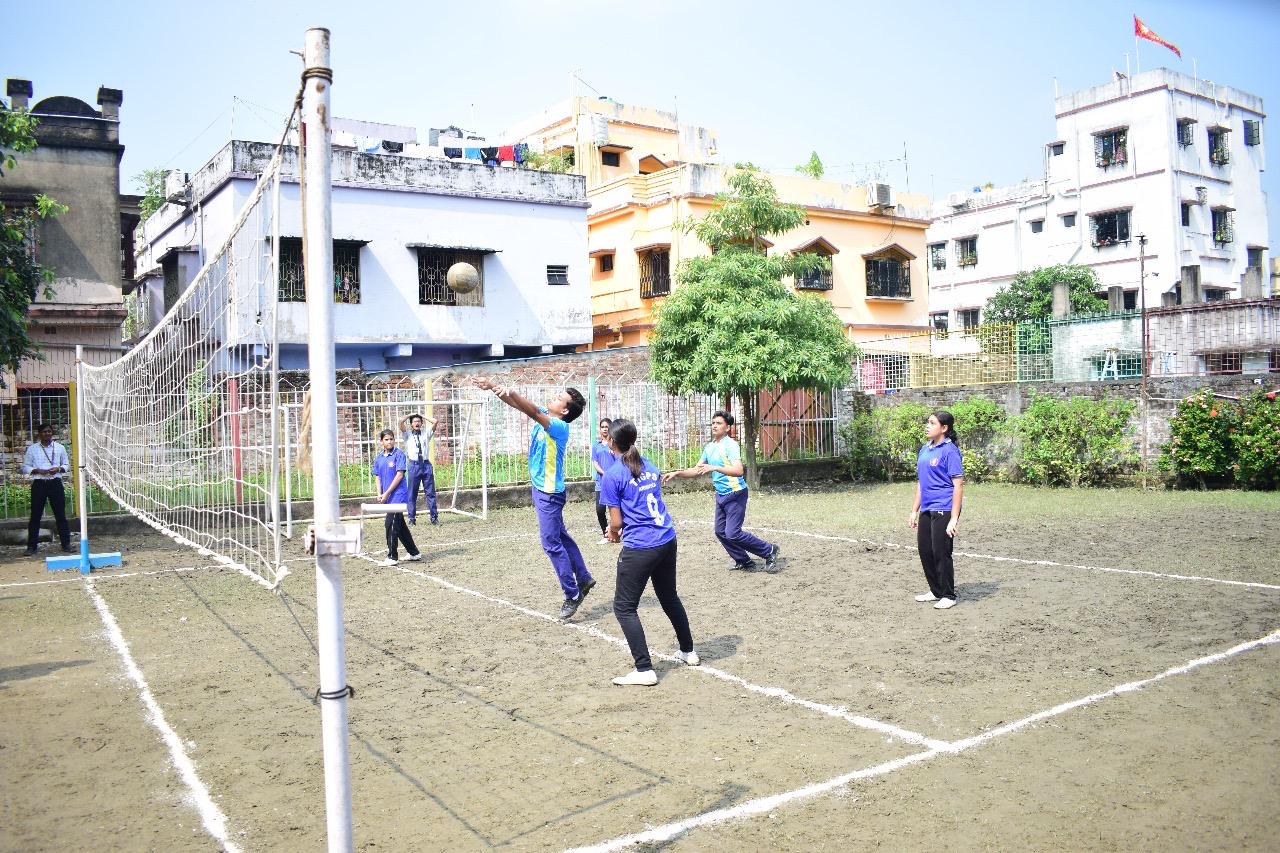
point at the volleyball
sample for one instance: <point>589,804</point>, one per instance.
<point>462,277</point>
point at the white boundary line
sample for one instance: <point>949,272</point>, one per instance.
<point>766,804</point>
<point>779,693</point>
<point>101,577</point>
<point>215,822</point>
<point>859,541</point>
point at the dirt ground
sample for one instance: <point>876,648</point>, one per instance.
<point>477,724</point>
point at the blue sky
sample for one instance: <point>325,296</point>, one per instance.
<point>966,87</point>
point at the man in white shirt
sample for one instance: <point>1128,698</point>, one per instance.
<point>46,461</point>
<point>417,450</point>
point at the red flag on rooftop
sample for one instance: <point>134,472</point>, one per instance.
<point>1141,30</point>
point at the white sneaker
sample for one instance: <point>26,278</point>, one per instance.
<point>388,562</point>
<point>637,678</point>
<point>944,603</point>
<point>414,558</point>
<point>691,658</point>
<point>604,540</point>
<point>926,596</point>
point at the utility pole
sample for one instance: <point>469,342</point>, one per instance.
<point>1146,362</point>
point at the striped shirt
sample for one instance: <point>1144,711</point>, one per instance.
<point>721,454</point>
<point>546,455</point>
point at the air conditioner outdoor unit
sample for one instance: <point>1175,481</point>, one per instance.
<point>879,195</point>
<point>958,199</point>
<point>175,186</point>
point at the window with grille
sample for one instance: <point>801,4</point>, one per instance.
<point>1056,149</point>
<point>1186,214</point>
<point>1252,132</point>
<point>1110,228</point>
<point>817,279</point>
<point>889,278</point>
<point>557,273</point>
<point>1069,220</point>
<point>1222,222</point>
<point>967,251</point>
<point>655,273</point>
<point>1131,300</point>
<point>346,271</point>
<point>610,158</point>
<point>606,263</point>
<point>967,318</point>
<point>941,323</point>
<point>1222,363</point>
<point>1219,154</point>
<point>938,256</point>
<point>1111,148</point>
<point>433,282</point>
<point>1273,361</point>
<point>1186,132</point>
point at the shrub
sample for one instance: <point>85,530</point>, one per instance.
<point>1257,442</point>
<point>982,428</point>
<point>882,443</point>
<point>1201,447</point>
<point>1076,442</point>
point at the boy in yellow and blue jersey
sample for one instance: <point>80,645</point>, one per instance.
<point>722,459</point>
<point>548,440</point>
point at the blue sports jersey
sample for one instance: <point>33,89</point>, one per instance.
<point>936,467</point>
<point>385,466</point>
<point>645,520</point>
<point>546,454</point>
<point>724,452</point>
<point>602,456</point>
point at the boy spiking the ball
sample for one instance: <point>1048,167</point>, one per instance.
<point>548,440</point>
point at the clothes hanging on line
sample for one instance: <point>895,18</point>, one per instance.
<point>453,153</point>
<point>507,153</point>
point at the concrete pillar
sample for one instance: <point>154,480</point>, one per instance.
<point>1115,299</point>
<point>110,101</point>
<point>1191,293</point>
<point>19,92</point>
<point>1168,299</point>
<point>1251,285</point>
<point>1061,300</point>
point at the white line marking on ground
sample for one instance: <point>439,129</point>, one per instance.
<point>103,577</point>
<point>786,696</point>
<point>765,804</point>
<point>215,822</point>
<point>1020,560</point>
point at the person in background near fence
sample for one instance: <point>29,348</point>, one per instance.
<point>45,462</point>
<point>936,511</point>
<point>417,449</point>
<point>722,458</point>
<point>639,519</point>
<point>548,440</point>
<point>602,460</point>
<point>389,467</point>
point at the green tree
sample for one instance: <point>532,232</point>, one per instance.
<point>22,278</point>
<point>560,162</point>
<point>732,327</point>
<point>151,183</point>
<point>1029,298</point>
<point>813,168</point>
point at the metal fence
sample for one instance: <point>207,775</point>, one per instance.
<point>1240,336</point>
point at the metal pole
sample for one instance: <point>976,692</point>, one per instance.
<point>318,265</point>
<point>82,486</point>
<point>273,299</point>
<point>484,459</point>
<point>1146,365</point>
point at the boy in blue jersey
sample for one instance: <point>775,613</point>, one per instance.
<point>389,467</point>
<point>722,459</point>
<point>548,440</point>
<point>639,518</point>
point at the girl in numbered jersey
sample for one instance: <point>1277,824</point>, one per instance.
<point>936,511</point>
<point>639,519</point>
<point>722,459</point>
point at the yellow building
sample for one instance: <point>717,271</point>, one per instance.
<point>646,173</point>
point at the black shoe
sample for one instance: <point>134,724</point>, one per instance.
<point>569,607</point>
<point>414,521</point>
<point>744,566</point>
<point>435,521</point>
<point>67,549</point>
<point>583,589</point>
<point>772,560</point>
<point>30,552</point>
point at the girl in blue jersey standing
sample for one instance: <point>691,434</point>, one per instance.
<point>639,518</point>
<point>936,511</point>
<point>602,460</point>
<point>722,459</point>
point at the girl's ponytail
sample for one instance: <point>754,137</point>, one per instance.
<point>622,433</point>
<point>948,420</point>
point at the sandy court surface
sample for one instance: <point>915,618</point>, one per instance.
<point>480,721</point>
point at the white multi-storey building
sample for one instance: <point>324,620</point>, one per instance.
<point>1164,155</point>
<point>399,223</point>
